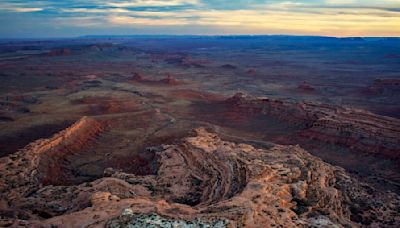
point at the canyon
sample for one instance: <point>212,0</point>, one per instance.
<point>201,177</point>
<point>135,132</point>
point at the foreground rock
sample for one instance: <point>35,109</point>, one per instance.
<point>201,180</point>
<point>137,220</point>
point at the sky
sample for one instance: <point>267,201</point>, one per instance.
<point>69,18</point>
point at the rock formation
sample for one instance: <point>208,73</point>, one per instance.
<point>228,67</point>
<point>60,52</point>
<point>185,61</point>
<point>251,71</point>
<point>304,87</point>
<point>137,77</point>
<point>168,80</point>
<point>42,162</point>
<point>200,180</point>
<point>358,129</point>
<point>388,87</point>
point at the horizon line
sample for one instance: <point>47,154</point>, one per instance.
<point>192,35</point>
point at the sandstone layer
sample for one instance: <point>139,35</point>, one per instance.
<point>354,128</point>
<point>200,179</point>
<point>39,164</point>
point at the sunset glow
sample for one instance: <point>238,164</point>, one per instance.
<point>200,17</point>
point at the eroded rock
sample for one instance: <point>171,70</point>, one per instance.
<point>202,179</point>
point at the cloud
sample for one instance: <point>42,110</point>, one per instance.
<point>94,10</point>
<point>21,9</point>
<point>340,2</point>
<point>87,21</point>
<point>24,10</point>
<point>266,21</point>
<point>314,17</point>
<point>126,20</point>
<point>157,3</point>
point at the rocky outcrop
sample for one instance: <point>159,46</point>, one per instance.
<point>43,161</point>
<point>357,129</point>
<point>59,52</point>
<point>52,167</point>
<point>228,67</point>
<point>137,77</point>
<point>128,219</point>
<point>182,178</point>
<point>386,87</point>
<point>251,71</point>
<point>185,61</point>
<point>204,180</point>
<point>304,87</point>
<point>168,80</point>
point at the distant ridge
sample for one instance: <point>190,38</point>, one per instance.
<point>233,36</point>
<point>297,37</point>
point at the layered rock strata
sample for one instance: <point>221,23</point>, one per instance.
<point>27,172</point>
<point>200,179</point>
<point>354,128</point>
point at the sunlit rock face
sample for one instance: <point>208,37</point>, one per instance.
<point>200,179</point>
